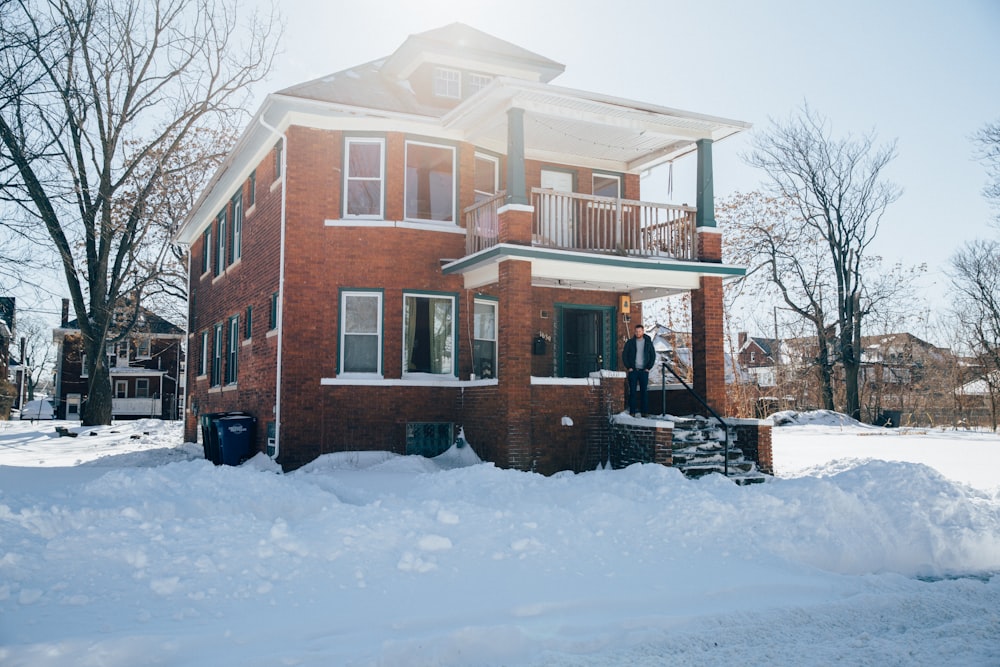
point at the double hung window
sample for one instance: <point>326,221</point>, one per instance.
<point>237,227</point>
<point>232,349</point>
<point>206,250</point>
<point>484,344</point>
<point>361,332</point>
<point>220,254</point>
<point>203,357</point>
<point>217,356</point>
<point>364,174</point>
<point>430,182</point>
<point>447,83</point>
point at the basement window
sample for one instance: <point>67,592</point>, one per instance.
<point>429,439</point>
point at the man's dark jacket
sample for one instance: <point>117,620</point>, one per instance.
<point>648,353</point>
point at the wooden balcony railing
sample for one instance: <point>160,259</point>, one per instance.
<point>605,224</point>
<point>587,223</point>
<point>482,223</point>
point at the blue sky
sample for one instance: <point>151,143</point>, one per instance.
<point>926,74</point>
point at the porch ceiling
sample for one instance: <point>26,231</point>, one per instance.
<point>641,277</point>
<point>566,125</point>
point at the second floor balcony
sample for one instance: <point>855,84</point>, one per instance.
<point>587,223</point>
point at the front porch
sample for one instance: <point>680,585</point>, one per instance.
<point>592,224</point>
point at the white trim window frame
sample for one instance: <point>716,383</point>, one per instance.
<point>121,389</point>
<point>206,250</point>
<point>237,226</point>
<point>605,186</point>
<point>142,388</point>
<point>361,343</point>
<point>232,350</point>
<point>435,204</point>
<point>364,182</point>
<point>482,189</point>
<point>430,340</point>
<point>84,371</point>
<point>203,358</point>
<point>447,83</point>
<point>143,347</point>
<point>477,82</point>
<point>217,356</point>
<point>220,246</point>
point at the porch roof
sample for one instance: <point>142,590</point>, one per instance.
<point>640,277</point>
<point>568,125</point>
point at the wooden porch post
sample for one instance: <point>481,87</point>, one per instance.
<point>517,189</point>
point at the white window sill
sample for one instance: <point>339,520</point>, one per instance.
<point>421,225</point>
<point>410,380</point>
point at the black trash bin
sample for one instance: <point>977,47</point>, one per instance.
<point>236,436</point>
<point>210,437</point>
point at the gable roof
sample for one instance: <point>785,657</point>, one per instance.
<point>154,324</point>
<point>383,84</point>
<point>475,49</point>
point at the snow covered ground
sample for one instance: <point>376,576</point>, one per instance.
<point>124,547</point>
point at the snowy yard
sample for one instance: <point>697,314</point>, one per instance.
<point>124,547</point>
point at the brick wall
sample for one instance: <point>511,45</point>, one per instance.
<point>247,282</point>
<point>640,442</point>
<point>754,440</point>
<point>707,350</point>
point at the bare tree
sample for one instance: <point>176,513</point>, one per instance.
<point>838,191</point>
<point>98,100</point>
<point>38,353</point>
<point>975,282</point>
<point>766,235</point>
<point>987,142</point>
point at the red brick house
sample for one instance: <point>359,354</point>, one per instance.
<point>146,369</point>
<point>441,240</point>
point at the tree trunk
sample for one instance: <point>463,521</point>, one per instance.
<point>825,369</point>
<point>96,410</point>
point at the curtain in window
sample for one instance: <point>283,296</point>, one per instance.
<point>428,345</point>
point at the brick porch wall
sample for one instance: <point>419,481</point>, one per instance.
<point>754,440</point>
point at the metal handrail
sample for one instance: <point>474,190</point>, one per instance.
<point>725,427</point>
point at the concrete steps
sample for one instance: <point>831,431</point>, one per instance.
<point>699,450</point>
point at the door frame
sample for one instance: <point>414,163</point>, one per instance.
<point>610,335</point>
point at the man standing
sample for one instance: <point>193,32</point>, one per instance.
<point>638,357</point>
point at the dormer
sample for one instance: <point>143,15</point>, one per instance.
<point>450,64</point>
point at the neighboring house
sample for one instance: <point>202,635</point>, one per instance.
<point>144,369</point>
<point>442,240</point>
<point>757,358</point>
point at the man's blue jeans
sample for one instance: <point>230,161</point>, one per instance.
<point>637,381</point>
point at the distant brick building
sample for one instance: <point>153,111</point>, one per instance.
<point>145,367</point>
<point>442,239</point>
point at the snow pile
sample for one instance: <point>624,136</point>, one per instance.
<point>813,418</point>
<point>135,550</point>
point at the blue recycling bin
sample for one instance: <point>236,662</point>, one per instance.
<point>236,435</point>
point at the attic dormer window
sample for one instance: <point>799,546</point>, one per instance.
<point>477,82</point>
<point>447,83</point>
